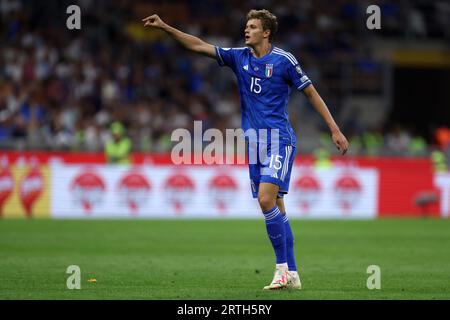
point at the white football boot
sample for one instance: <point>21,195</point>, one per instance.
<point>279,281</point>
<point>293,281</point>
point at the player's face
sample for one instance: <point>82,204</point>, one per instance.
<point>254,33</point>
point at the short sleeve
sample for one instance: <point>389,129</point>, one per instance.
<point>226,56</point>
<point>296,75</point>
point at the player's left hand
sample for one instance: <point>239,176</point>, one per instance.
<point>153,21</point>
<point>340,141</point>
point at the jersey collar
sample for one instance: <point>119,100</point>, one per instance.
<point>264,56</point>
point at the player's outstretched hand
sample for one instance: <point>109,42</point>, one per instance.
<point>340,141</point>
<point>153,21</point>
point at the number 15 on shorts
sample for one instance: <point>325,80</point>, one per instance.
<point>275,161</point>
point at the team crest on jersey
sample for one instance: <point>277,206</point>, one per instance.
<point>269,70</point>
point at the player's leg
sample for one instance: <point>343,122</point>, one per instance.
<point>288,156</point>
<point>293,278</point>
<point>289,236</point>
<point>267,198</point>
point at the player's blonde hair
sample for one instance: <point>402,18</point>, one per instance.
<point>268,20</point>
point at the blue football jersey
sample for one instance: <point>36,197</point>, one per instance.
<point>265,85</point>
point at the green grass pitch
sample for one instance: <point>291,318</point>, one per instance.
<point>221,259</point>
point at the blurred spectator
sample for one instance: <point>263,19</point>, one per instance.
<point>417,146</point>
<point>439,161</point>
<point>117,150</point>
<point>373,142</point>
<point>397,141</point>
<point>416,26</point>
<point>442,136</point>
<point>322,160</point>
<point>60,89</point>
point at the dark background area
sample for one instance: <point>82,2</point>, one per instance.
<point>421,98</point>
<point>61,89</point>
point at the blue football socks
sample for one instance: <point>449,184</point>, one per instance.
<point>289,245</point>
<point>276,230</point>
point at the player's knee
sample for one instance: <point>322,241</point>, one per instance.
<point>266,202</point>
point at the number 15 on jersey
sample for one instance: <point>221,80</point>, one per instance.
<point>255,86</point>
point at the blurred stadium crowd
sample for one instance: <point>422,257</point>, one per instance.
<point>61,89</point>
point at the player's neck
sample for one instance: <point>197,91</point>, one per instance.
<point>262,49</point>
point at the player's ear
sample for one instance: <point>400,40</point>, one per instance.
<point>266,33</point>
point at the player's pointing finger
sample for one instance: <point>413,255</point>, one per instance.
<point>153,16</point>
<point>344,147</point>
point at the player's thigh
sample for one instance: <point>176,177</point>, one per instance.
<point>276,168</point>
<point>254,167</point>
<point>255,177</point>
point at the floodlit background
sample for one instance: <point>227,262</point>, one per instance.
<point>62,89</point>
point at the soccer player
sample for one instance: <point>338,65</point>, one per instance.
<point>265,75</point>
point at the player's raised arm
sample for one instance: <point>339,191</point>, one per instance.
<point>188,41</point>
<point>339,140</point>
